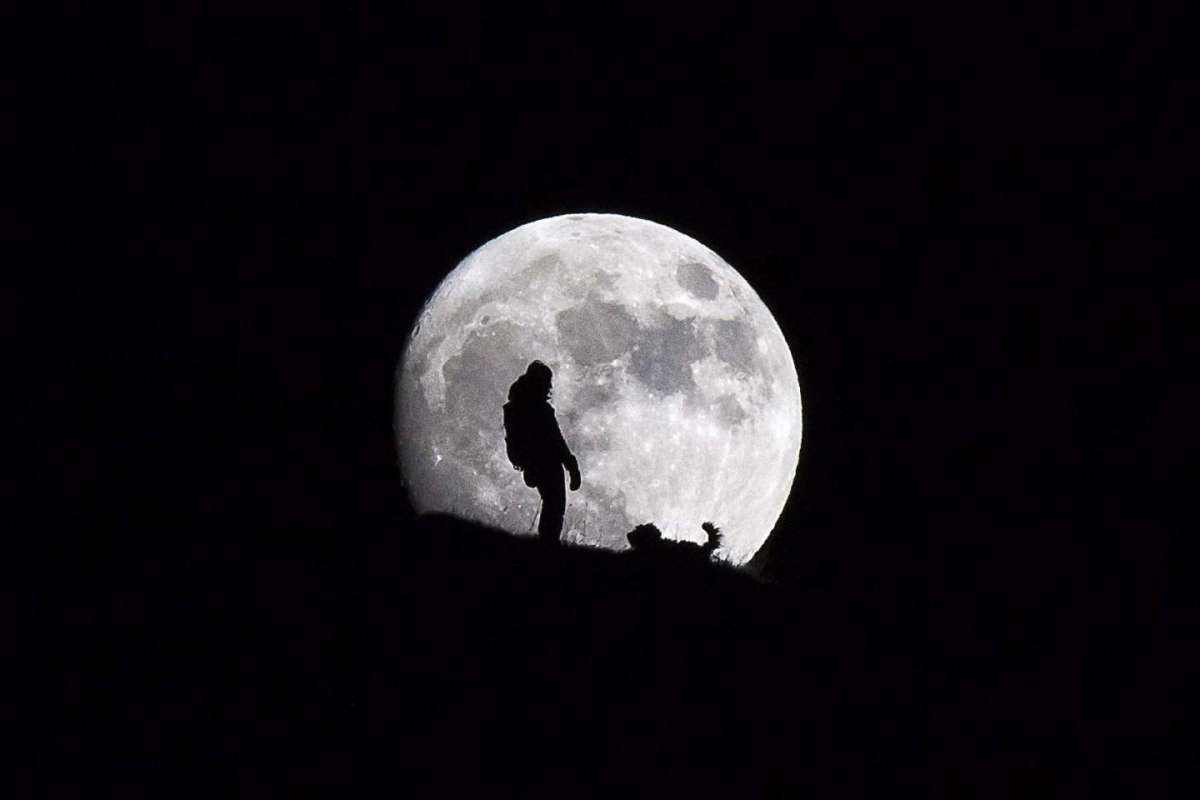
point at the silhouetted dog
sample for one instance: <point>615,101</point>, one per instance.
<point>647,538</point>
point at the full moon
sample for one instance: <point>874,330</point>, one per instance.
<point>673,385</point>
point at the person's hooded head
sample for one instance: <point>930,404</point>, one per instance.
<point>534,386</point>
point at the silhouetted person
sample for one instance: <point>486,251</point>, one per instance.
<point>536,446</point>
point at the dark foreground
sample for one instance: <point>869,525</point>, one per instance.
<point>445,659</point>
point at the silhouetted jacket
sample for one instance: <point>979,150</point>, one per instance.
<point>534,441</point>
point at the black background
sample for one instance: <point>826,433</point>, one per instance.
<point>961,218</point>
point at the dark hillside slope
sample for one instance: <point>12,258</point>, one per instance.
<point>437,657</point>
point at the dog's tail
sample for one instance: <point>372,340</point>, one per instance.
<point>714,537</point>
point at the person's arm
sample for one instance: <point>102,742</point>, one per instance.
<point>572,466</point>
<point>567,458</point>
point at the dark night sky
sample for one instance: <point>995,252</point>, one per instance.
<point>962,220</point>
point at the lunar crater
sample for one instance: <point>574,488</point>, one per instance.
<point>697,280</point>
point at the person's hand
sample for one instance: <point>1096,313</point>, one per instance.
<point>575,480</point>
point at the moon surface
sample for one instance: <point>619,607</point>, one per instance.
<point>673,385</point>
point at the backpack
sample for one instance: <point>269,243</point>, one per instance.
<point>514,442</point>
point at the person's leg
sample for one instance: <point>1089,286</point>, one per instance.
<point>554,504</point>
